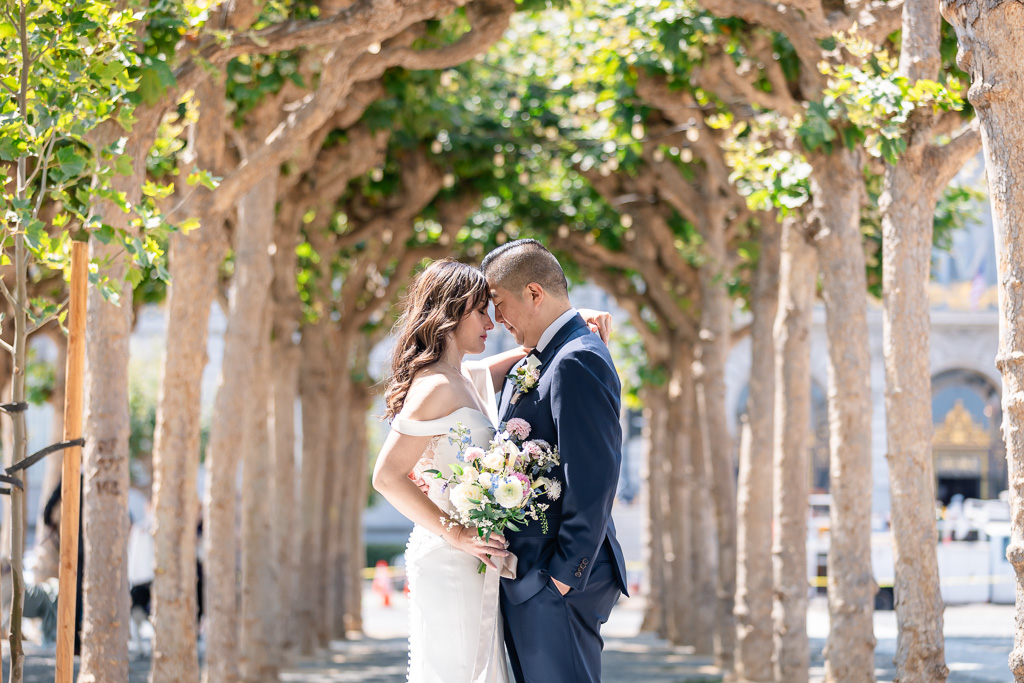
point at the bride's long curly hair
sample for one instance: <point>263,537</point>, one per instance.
<point>440,297</point>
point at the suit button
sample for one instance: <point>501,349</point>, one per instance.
<point>585,560</point>
<point>579,574</point>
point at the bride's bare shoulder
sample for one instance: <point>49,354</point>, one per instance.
<point>432,394</point>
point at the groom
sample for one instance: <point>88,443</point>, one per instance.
<point>570,574</point>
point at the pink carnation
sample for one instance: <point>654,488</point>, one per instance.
<point>474,453</point>
<point>526,483</point>
<point>519,427</point>
<point>531,450</point>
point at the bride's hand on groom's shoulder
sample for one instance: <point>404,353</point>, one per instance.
<point>467,540</point>
<point>599,322</point>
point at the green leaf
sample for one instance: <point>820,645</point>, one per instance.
<point>7,30</point>
<point>35,234</point>
<point>134,276</point>
<point>123,165</point>
<point>154,81</point>
<point>70,162</point>
<point>105,234</point>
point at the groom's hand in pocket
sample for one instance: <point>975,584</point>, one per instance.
<point>559,586</point>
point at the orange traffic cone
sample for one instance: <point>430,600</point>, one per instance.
<point>382,582</point>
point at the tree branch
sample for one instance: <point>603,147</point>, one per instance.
<point>802,33</point>
<point>948,159</point>
<point>344,67</point>
<point>488,18</point>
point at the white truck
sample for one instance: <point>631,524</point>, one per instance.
<point>971,553</point>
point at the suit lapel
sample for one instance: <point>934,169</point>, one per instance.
<point>569,331</point>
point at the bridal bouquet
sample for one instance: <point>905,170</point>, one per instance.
<point>501,486</point>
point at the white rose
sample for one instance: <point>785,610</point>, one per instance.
<point>494,460</point>
<point>469,474</point>
<point>462,493</point>
<point>509,493</point>
<point>484,479</point>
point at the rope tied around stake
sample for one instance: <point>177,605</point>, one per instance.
<point>6,477</point>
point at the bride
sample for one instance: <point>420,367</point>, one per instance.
<point>455,633</point>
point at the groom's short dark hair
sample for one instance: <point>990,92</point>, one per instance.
<point>516,264</point>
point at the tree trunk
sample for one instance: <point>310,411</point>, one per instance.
<point>908,207</point>
<point>713,351</point>
<point>55,461</point>
<point>314,392</point>
<point>754,496</point>
<point>195,259</point>
<point>340,469</point>
<point>19,451</point>
<point>676,455</point>
<point>991,38</point>
<point>355,504</point>
<point>332,494</point>
<point>259,650</point>
<point>798,278</point>
<point>655,416</point>
<point>194,262</point>
<point>838,187</point>
<point>105,456</point>
<point>285,375</point>
<point>704,555</point>
<point>907,250</point>
<point>228,434</point>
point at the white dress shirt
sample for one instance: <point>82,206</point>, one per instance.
<point>552,329</point>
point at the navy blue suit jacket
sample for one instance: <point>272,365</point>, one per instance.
<point>574,406</point>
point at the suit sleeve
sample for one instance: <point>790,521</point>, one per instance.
<point>585,407</point>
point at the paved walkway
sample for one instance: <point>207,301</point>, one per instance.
<point>978,640</point>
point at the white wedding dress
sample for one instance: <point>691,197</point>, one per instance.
<point>455,630</point>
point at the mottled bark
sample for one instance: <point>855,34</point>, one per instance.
<point>194,262</point>
<point>679,594</point>
<point>798,277</point>
<point>908,206</point>
<point>906,248</point>
<point>704,553</point>
<point>339,472</point>
<point>259,650</point>
<point>233,405</point>
<point>838,187</point>
<point>105,456</point>
<point>354,559</point>
<point>285,377</point>
<point>710,373</point>
<point>314,392</point>
<point>655,416</point>
<point>754,495</point>
<point>991,37</point>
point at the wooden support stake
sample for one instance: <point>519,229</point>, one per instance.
<point>70,491</point>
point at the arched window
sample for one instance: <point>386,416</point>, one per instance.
<point>966,446</point>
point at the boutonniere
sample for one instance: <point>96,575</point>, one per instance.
<point>525,377</point>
